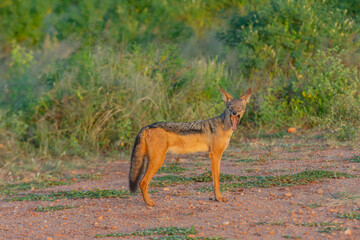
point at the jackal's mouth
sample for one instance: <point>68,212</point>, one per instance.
<point>234,121</point>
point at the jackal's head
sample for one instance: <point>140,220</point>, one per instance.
<point>235,107</point>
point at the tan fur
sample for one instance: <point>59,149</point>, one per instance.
<point>156,142</point>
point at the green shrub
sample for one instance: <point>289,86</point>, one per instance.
<point>270,34</point>
<point>323,94</point>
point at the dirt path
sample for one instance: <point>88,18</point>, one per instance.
<point>253,210</point>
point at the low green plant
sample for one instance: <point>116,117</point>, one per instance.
<point>326,227</point>
<point>281,223</point>
<point>350,215</point>
<point>292,237</point>
<point>172,168</point>
<point>302,178</point>
<point>179,237</point>
<point>73,195</point>
<point>355,158</point>
<point>331,229</point>
<point>10,189</point>
<point>246,160</point>
<point>345,196</point>
<point>319,224</point>
<point>172,231</point>
<point>313,205</point>
<point>169,180</point>
<point>54,208</point>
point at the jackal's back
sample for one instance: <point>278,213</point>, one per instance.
<point>187,128</point>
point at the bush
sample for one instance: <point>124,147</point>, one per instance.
<point>324,94</point>
<point>270,35</point>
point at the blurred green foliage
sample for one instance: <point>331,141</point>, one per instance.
<point>83,77</point>
<point>110,21</point>
<point>278,32</point>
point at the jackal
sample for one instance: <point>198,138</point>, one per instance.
<point>211,135</point>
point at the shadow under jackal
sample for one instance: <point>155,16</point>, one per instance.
<point>211,135</point>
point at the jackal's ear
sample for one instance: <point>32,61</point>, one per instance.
<point>246,96</point>
<point>225,96</point>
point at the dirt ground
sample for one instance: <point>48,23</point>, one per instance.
<point>250,213</point>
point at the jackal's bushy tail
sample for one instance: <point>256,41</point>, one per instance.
<point>138,164</point>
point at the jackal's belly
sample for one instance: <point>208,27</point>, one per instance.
<point>188,144</point>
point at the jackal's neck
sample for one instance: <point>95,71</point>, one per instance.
<point>225,118</point>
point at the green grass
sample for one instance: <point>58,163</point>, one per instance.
<point>73,195</point>
<point>350,215</point>
<point>179,237</point>
<point>313,205</point>
<point>305,177</point>
<point>291,237</point>
<point>172,168</point>
<point>345,195</point>
<point>54,208</point>
<point>301,178</point>
<point>326,227</point>
<point>200,163</point>
<point>319,224</point>
<point>169,180</point>
<point>331,229</point>
<point>354,159</point>
<point>279,134</point>
<point>172,231</point>
<point>281,223</point>
<point>10,189</point>
<point>246,160</point>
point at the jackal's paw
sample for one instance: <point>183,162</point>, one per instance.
<point>221,199</point>
<point>150,203</point>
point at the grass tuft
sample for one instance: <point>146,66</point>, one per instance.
<point>302,178</point>
<point>331,229</point>
<point>169,180</point>
<point>350,215</point>
<point>172,168</point>
<point>246,160</point>
<point>179,237</point>
<point>354,159</point>
<point>10,189</point>
<point>281,223</point>
<point>73,195</point>
<point>172,231</point>
<point>327,227</point>
<point>54,208</point>
<point>319,224</point>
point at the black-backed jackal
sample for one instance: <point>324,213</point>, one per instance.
<point>211,135</point>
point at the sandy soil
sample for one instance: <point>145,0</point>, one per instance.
<point>249,213</point>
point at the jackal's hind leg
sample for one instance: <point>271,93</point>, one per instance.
<point>155,162</point>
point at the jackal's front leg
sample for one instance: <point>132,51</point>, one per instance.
<point>215,158</point>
